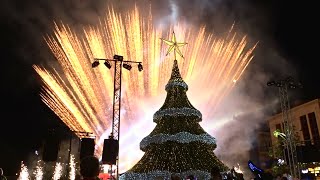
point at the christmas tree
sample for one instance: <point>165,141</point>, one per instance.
<point>178,145</point>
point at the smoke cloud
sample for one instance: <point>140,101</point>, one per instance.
<point>241,113</point>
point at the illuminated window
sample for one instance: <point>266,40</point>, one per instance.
<point>278,126</point>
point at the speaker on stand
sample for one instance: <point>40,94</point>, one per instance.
<point>110,151</point>
<point>86,147</point>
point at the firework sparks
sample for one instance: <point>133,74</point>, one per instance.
<point>72,165</point>
<point>24,173</point>
<point>57,171</point>
<point>38,173</point>
<point>82,97</point>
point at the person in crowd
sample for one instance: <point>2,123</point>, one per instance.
<point>215,174</point>
<point>90,168</point>
<point>191,177</point>
<point>2,177</point>
<point>175,177</point>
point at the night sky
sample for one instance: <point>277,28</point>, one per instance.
<point>290,26</point>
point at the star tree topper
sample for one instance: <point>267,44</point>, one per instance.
<point>174,45</point>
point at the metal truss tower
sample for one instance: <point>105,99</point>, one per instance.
<point>118,64</point>
<point>290,154</point>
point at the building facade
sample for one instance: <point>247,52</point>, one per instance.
<point>305,119</point>
<point>306,122</point>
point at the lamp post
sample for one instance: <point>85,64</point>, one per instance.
<point>288,136</point>
<point>118,64</point>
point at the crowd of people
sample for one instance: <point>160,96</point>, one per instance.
<point>90,169</point>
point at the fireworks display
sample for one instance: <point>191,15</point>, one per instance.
<point>24,173</point>
<point>57,171</point>
<point>82,97</point>
<point>38,173</point>
<point>72,165</point>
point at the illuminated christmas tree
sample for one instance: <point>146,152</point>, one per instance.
<point>178,144</point>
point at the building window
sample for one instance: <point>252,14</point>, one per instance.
<point>278,127</point>
<point>314,128</point>
<point>305,129</point>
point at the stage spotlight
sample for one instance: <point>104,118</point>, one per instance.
<point>95,64</point>
<point>117,57</point>
<point>107,64</point>
<point>292,86</point>
<point>127,66</point>
<point>271,83</point>
<point>289,79</point>
<point>140,68</point>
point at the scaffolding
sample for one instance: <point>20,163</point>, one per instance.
<point>118,64</point>
<point>290,153</point>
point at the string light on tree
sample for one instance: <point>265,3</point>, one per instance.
<point>178,144</point>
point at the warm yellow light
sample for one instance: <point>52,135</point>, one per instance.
<point>82,97</point>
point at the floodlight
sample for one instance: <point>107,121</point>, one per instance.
<point>117,57</point>
<point>95,64</point>
<point>127,66</point>
<point>140,68</point>
<point>107,64</point>
<point>271,83</point>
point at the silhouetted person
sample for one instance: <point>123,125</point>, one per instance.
<point>78,177</point>
<point>175,177</point>
<point>89,168</point>
<point>240,176</point>
<point>190,177</point>
<point>229,176</point>
<point>2,177</point>
<point>267,176</point>
<point>215,174</point>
